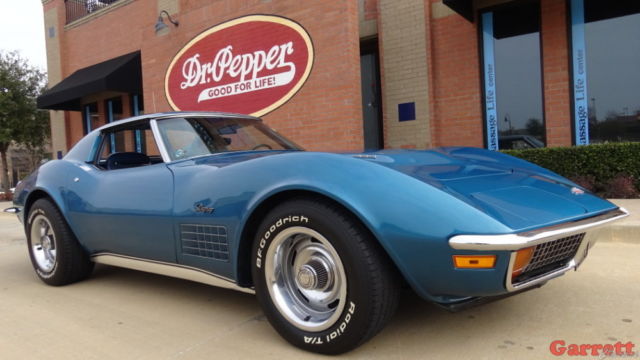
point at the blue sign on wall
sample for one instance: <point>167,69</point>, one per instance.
<point>407,111</point>
<point>491,112</point>
<point>580,98</point>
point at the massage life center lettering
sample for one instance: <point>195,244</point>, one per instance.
<point>490,99</point>
<point>491,112</point>
<point>580,94</point>
<point>580,97</point>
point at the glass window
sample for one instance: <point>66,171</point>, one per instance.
<point>91,118</point>
<point>606,70</point>
<point>512,73</point>
<point>137,105</point>
<point>187,138</point>
<point>113,108</point>
<point>123,140</point>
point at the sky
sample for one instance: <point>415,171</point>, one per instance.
<point>22,29</point>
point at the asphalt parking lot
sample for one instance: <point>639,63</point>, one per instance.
<point>123,314</point>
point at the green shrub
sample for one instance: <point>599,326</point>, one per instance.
<point>5,197</point>
<point>607,169</point>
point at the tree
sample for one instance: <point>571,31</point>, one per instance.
<point>20,120</point>
<point>534,127</point>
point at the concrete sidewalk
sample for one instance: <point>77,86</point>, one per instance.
<point>125,314</point>
<point>627,229</point>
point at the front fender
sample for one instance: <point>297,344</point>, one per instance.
<point>411,220</point>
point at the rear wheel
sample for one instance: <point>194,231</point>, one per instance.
<point>322,280</point>
<point>55,253</point>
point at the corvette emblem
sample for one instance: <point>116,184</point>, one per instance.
<point>203,209</point>
<point>576,191</point>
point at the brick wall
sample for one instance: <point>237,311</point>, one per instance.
<point>368,18</point>
<point>370,9</point>
<point>555,68</point>
<point>456,101</point>
<point>325,114</point>
<point>455,67</point>
<point>429,55</point>
<point>403,58</point>
<point>52,21</point>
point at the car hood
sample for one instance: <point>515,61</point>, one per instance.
<point>517,193</point>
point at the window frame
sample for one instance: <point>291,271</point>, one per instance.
<point>571,36</point>
<point>89,110</point>
<point>105,138</point>
<point>483,90</point>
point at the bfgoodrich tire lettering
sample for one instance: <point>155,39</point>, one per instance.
<point>321,279</point>
<point>56,255</point>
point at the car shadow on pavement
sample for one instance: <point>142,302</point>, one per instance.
<point>417,326</point>
<point>150,283</point>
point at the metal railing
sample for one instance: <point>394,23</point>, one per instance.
<point>77,9</point>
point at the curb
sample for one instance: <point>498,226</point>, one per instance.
<point>628,229</point>
<point>625,233</point>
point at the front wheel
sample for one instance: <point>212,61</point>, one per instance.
<point>321,279</point>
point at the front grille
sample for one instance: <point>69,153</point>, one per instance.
<point>551,256</point>
<point>205,241</point>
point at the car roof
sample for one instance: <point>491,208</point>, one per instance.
<point>173,114</point>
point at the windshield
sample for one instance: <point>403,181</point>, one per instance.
<point>189,137</point>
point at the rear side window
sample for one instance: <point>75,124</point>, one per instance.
<point>128,140</point>
<point>83,150</point>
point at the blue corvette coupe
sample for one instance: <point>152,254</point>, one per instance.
<point>323,240</point>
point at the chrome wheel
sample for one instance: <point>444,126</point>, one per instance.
<point>43,243</point>
<point>306,279</point>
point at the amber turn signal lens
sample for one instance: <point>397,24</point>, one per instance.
<point>523,258</point>
<point>474,261</point>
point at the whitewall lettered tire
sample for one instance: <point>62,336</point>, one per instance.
<point>320,277</point>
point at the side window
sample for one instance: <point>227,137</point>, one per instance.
<point>185,139</point>
<point>247,137</point>
<point>128,147</point>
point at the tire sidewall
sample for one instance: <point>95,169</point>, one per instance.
<point>43,209</point>
<point>347,331</point>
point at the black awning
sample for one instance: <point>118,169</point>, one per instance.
<point>462,7</point>
<point>122,74</point>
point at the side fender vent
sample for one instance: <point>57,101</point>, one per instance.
<point>207,241</point>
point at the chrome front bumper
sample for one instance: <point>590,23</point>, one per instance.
<point>513,242</point>
<point>15,210</point>
<point>12,210</point>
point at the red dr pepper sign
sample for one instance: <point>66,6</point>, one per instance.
<point>249,65</point>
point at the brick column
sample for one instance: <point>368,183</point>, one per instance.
<point>53,12</point>
<point>455,75</point>
<point>404,72</point>
<point>555,69</point>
